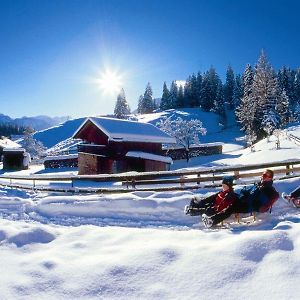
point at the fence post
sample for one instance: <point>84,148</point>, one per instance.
<point>181,180</point>
<point>198,176</point>
<point>236,174</point>
<point>287,170</point>
<point>133,183</point>
<point>33,183</point>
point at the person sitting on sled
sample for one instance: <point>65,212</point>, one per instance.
<point>259,197</point>
<point>293,197</point>
<point>215,208</point>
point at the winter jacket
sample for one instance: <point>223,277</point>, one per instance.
<point>224,199</point>
<point>260,197</point>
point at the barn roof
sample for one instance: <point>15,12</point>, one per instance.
<point>130,131</point>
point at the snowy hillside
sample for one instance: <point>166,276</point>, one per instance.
<point>54,135</point>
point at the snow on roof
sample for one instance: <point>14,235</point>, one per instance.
<point>131,131</point>
<point>149,156</point>
<point>7,143</point>
<point>19,149</point>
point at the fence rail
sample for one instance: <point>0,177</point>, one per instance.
<point>180,180</point>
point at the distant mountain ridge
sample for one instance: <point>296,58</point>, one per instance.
<point>37,122</point>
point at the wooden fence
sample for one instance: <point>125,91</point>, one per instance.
<point>154,181</point>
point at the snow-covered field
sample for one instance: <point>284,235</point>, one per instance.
<point>140,245</point>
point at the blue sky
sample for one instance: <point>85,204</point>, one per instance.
<point>52,52</point>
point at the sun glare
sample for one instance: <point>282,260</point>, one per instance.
<point>110,82</point>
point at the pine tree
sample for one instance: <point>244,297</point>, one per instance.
<point>147,103</point>
<point>219,105</point>
<point>188,92</point>
<point>34,147</point>
<point>229,87</point>
<point>264,93</point>
<point>122,108</point>
<point>296,93</point>
<point>282,108</point>
<point>210,89</point>
<point>237,91</point>
<point>286,81</point>
<point>173,101</point>
<point>297,112</point>
<point>180,97</point>
<point>245,111</point>
<point>164,103</point>
<point>199,79</point>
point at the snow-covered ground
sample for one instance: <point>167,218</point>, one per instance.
<point>140,245</point>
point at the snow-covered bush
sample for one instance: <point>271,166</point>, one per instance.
<point>185,132</point>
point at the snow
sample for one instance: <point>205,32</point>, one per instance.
<point>140,245</point>
<point>16,149</point>
<point>124,130</point>
<point>7,143</point>
<point>150,156</point>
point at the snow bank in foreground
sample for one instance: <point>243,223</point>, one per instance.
<point>89,262</point>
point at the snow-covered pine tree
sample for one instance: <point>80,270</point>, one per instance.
<point>296,94</point>
<point>264,93</point>
<point>270,122</point>
<point>173,101</point>
<point>122,108</point>
<point>187,92</point>
<point>210,89</point>
<point>246,110</point>
<point>147,103</point>
<point>286,81</point>
<point>237,91</point>
<point>283,109</point>
<point>199,79</point>
<point>180,97</point>
<point>297,112</point>
<point>194,100</point>
<point>185,132</point>
<point>229,87</point>
<point>219,105</point>
<point>34,147</point>
<point>164,103</point>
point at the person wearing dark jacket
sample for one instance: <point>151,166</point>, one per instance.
<point>259,197</point>
<point>215,208</point>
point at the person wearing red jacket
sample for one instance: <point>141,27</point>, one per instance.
<point>215,208</point>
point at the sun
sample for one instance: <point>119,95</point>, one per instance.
<point>110,82</point>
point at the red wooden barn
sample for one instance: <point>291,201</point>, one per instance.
<point>114,146</point>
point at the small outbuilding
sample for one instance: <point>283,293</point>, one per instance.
<point>15,159</point>
<point>114,146</point>
<point>7,143</point>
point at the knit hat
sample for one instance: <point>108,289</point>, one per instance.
<point>228,180</point>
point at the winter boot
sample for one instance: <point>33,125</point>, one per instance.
<point>207,221</point>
